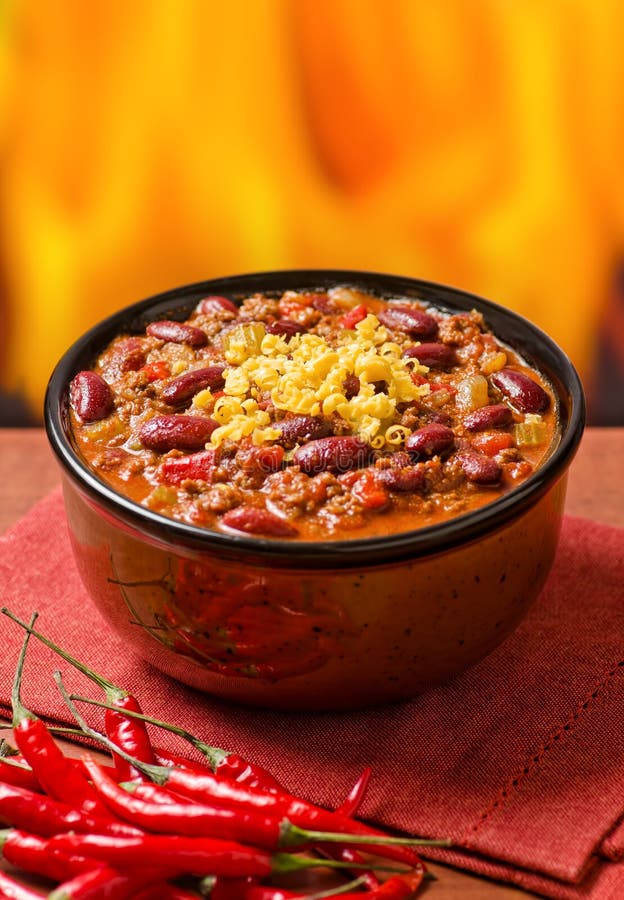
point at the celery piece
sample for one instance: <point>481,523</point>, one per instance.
<point>529,434</point>
<point>162,495</point>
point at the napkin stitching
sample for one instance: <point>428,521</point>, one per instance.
<point>533,763</point>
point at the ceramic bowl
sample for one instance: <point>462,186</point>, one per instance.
<point>328,624</point>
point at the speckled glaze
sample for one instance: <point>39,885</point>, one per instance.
<point>316,626</point>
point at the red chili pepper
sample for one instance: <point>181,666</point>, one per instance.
<point>107,883</point>
<point>189,819</point>
<point>355,797</point>
<point>12,772</point>
<point>229,765</point>
<point>349,807</point>
<point>166,891</point>
<point>260,829</point>
<point>399,886</point>
<point>154,793</point>
<point>239,769</point>
<point>45,817</point>
<point>13,890</point>
<point>193,855</point>
<point>32,854</point>
<point>210,789</point>
<point>215,756</point>
<point>349,855</point>
<point>129,734</point>
<point>238,889</point>
<point>53,770</point>
<point>164,758</point>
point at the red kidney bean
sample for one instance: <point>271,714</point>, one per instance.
<point>435,415</point>
<point>299,429</point>
<point>90,396</point>
<point>333,454</point>
<point>400,459</point>
<point>216,304</point>
<point>488,417</point>
<point>478,468</point>
<point>436,356</point>
<point>430,440</point>
<point>257,521</point>
<point>285,327</point>
<point>188,384</point>
<point>163,433</point>
<point>404,479</point>
<point>130,355</point>
<point>413,321</point>
<point>523,393</point>
<point>178,333</point>
<point>323,303</point>
<point>198,467</point>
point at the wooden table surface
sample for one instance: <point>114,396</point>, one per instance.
<point>596,490</point>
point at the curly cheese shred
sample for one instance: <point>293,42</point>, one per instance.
<point>305,375</point>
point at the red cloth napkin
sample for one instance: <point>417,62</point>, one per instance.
<point>519,761</point>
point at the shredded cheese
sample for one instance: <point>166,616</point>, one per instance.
<point>305,375</point>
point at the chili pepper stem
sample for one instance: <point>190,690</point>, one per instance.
<point>293,836</point>
<point>158,774</point>
<point>342,889</point>
<point>207,884</point>
<point>214,755</point>
<point>7,750</point>
<point>19,710</point>
<point>112,691</point>
<point>283,863</point>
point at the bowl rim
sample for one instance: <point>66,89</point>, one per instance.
<point>522,335</point>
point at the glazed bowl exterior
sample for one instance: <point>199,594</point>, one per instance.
<point>320,625</point>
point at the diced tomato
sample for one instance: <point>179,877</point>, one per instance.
<point>156,370</point>
<point>267,458</point>
<point>418,379</point>
<point>492,442</point>
<point>442,386</point>
<point>289,306</point>
<point>355,315</point>
<point>349,478</point>
<point>370,492</point>
<point>197,467</point>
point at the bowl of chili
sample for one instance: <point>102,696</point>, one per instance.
<point>314,489</point>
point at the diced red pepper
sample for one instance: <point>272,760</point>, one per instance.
<point>197,467</point>
<point>156,371</point>
<point>355,315</point>
<point>369,491</point>
<point>442,386</point>
<point>492,442</point>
